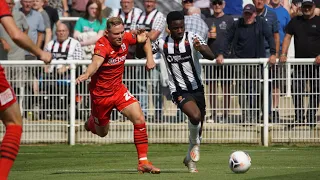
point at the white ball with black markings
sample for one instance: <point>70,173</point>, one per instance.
<point>239,162</point>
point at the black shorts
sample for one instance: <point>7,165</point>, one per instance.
<point>222,73</point>
<point>181,98</point>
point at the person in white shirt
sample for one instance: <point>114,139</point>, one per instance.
<point>128,13</point>
<point>64,48</point>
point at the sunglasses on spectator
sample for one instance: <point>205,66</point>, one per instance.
<point>188,1</point>
<point>217,3</point>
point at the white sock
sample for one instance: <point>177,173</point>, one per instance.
<point>194,137</point>
<point>141,159</point>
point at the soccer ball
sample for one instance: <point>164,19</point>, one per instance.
<point>239,162</point>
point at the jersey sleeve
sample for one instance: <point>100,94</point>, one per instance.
<point>130,38</point>
<point>101,48</point>
<point>196,36</point>
<point>155,46</point>
<point>4,9</point>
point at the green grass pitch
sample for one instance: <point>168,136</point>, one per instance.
<point>119,161</point>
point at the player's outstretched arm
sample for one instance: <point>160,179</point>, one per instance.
<point>22,40</point>
<point>92,68</point>
<point>150,64</point>
<point>203,49</point>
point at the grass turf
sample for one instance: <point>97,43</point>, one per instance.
<point>119,161</point>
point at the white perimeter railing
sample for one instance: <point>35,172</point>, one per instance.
<point>68,126</point>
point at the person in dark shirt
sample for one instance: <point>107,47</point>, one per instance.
<point>278,72</point>
<point>306,32</point>
<point>246,38</point>
<point>218,25</point>
<point>273,23</point>
<point>296,8</point>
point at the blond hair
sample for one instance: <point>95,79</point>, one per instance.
<point>114,21</point>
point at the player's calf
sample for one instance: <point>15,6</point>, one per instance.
<point>101,131</point>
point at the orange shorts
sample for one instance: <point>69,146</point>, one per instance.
<point>7,95</point>
<point>101,107</point>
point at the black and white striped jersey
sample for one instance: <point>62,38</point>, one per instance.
<point>130,20</point>
<point>182,61</point>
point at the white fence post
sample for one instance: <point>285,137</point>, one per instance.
<point>288,94</point>
<point>265,103</point>
<point>72,135</point>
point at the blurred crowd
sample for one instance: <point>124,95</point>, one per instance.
<point>219,22</point>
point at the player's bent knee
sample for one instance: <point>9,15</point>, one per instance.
<point>140,119</point>
<point>195,118</point>
<point>102,131</point>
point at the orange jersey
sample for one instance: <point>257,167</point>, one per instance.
<point>108,78</point>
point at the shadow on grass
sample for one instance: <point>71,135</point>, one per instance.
<point>113,171</point>
<point>292,176</point>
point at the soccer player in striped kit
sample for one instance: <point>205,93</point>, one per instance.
<point>181,51</point>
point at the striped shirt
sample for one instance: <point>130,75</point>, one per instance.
<point>129,19</point>
<point>70,49</point>
<point>155,20</point>
<point>182,61</point>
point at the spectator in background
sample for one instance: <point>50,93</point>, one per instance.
<point>306,32</point>
<point>273,24</point>
<point>218,24</point>
<point>186,4</point>
<point>38,6</point>
<point>79,8</point>
<point>106,11</point>
<point>194,23</point>
<point>204,5</point>
<point>90,28</point>
<point>154,22</point>
<point>52,13</point>
<point>36,25</point>
<point>296,8</point>
<point>56,77</point>
<point>283,17</point>
<point>128,13</point>
<point>233,8</point>
<point>151,20</point>
<point>246,39</point>
<point>278,71</point>
<point>61,6</point>
<point>36,34</point>
<point>14,52</point>
<point>64,48</point>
